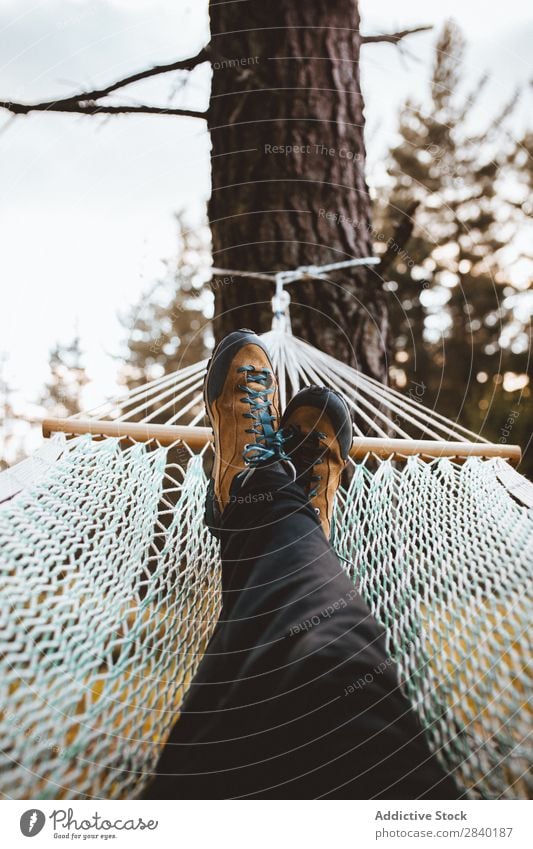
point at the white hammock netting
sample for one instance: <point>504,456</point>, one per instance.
<point>111,588</point>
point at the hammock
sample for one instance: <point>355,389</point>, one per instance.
<point>111,583</point>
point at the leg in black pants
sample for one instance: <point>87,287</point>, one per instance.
<point>295,696</point>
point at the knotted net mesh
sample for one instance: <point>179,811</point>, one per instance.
<point>109,592</point>
<point>111,588</point>
<point>442,555</point>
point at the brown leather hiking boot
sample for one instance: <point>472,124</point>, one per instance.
<point>241,401</point>
<point>317,431</point>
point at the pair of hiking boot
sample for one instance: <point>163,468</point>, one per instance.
<point>312,438</point>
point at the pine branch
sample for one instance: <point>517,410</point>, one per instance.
<point>393,37</point>
<point>402,233</point>
<point>86,102</point>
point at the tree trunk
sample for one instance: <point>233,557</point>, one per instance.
<point>288,166</point>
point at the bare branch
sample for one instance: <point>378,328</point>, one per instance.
<point>393,37</point>
<point>179,65</point>
<point>86,102</point>
<point>74,106</point>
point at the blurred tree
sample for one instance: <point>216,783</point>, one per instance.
<point>63,392</point>
<point>444,229</point>
<point>168,328</point>
<point>522,157</point>
<point>9,440</point>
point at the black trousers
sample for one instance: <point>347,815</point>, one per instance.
<point>295,697</point>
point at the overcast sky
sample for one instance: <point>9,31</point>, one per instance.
<point>86,216</point>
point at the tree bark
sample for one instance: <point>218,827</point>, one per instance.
<point>288,172</point>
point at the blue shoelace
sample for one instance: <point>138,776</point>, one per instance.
<point>269,443</point>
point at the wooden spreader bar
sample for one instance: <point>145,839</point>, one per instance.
<point>195,437</point>
<point>198,437</point>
